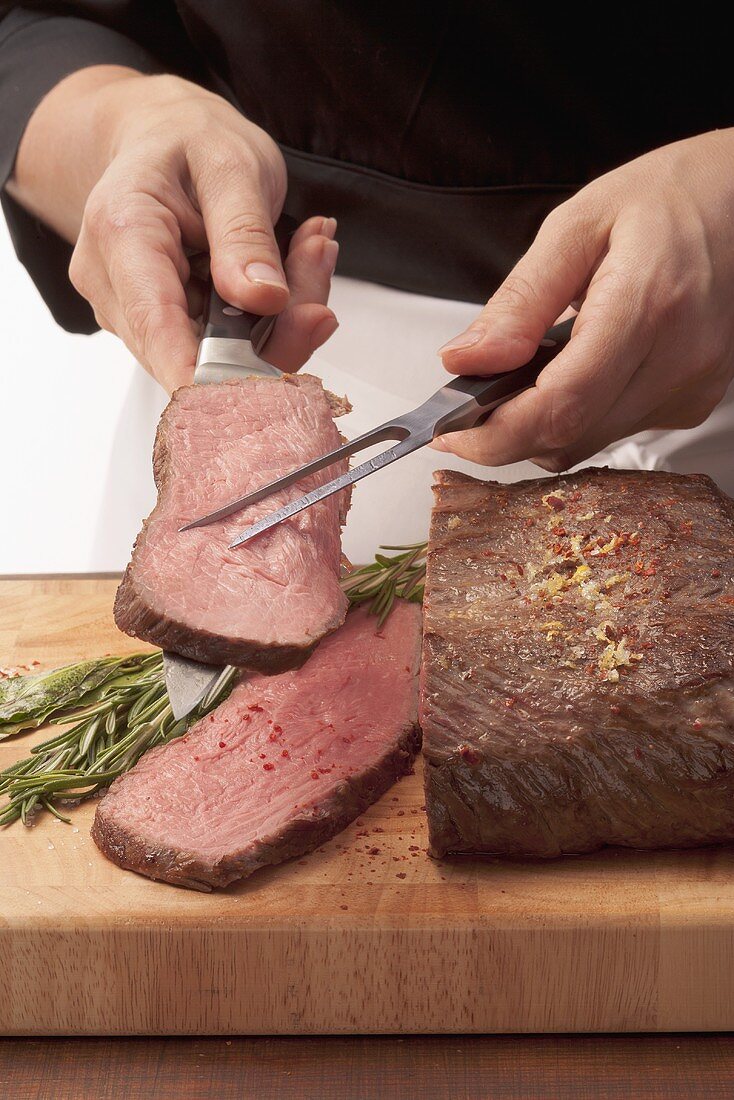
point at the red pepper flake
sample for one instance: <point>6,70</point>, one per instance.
<point>575,495</point>
<point>314,775</point>
<point>268,767</point>
<point>556,503</point>
<point>559,529</point>
<point>413,848</point>
<point>697,724</point>
<point>277,729</point>
<point>285,753</point>
<point>272,736</point>
<point>614,708</point>
<point>254,706</point>
<point>638,753</point>
<point>401,874</point>
<point>222,744</point>
<point>263,756</point>
<point>469,754</point>
<point>373,851</point>
<point>343,906</point>
<point>511,702</point>
<point>196,758</point>
<point>520,569</point>
<point>503,576</point>
<point>557,547</point>
<point>34,663</point>
<point>401,813</point>
<point>715,572</point>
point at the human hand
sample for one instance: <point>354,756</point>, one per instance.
<point>646,253</point>
<point>186,172</point>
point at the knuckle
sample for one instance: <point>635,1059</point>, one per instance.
<point>223,161</point>
<point>106,217</point>
<point>79,273</point>
<point>516,293</point>
<point>564,422</point>
<point>96,213</point>
<point>246,228</point>
<point>103,321</point>
<point>575,220</point>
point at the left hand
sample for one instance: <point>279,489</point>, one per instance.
<point>646,254</point>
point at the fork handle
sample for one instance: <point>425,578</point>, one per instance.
<point>488,393</point>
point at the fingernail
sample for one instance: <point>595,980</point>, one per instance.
<point>265,275</point>
<point>328,228</point>
<point>465,340</point>
<point>439,443</point>
<point>329,257</point>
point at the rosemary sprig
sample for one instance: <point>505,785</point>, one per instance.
<point>126,714</point>
<point>388,577</point>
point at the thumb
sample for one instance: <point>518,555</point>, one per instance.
<point>246,265</point>
<point>550,275</point>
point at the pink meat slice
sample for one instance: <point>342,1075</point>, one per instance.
<point>286,762</point>
<point>266,604</point>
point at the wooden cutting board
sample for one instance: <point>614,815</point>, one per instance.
<point>343,940</point>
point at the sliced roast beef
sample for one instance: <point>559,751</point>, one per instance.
<point>266,604</point>
<point>282,765</point>
<point>578,678</point>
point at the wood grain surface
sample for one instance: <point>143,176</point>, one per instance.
<point>343,941</point>
<point>644,1067</point>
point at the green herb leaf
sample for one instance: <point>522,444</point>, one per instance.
<point>387,578</point>
<point>26,702</point>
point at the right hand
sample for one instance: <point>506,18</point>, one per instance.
<point>187,172</point>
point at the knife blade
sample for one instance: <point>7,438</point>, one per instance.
<point>230,348</point>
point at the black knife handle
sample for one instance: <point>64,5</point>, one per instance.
<point>494,390</point>
<point>227,322</point>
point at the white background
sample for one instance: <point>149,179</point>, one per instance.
<point>78,417</point>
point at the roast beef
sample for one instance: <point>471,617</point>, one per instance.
<point>282,765</point>
<point>266,604</point>
<point>578,679</point>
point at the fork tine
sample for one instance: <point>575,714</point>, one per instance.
<point>389,430</point>
<point>404,447</point>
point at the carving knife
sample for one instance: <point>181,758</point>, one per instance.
<point>463,403</point>
<point>230,348</point>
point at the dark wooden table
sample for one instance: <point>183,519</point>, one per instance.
<point>548,1067</point>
